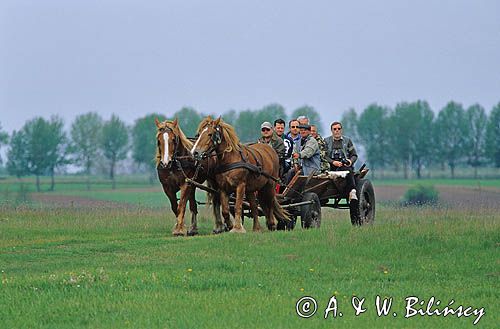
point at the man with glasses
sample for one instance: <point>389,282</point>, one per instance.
<point>279,129</point>
<point>293,134</point>
<point>268,136</point>
<point>343,156</point>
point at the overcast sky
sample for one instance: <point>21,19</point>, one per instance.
<point>136,57</point>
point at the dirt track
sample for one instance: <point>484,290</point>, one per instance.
<point>456,197</point>
<point>63,201</point>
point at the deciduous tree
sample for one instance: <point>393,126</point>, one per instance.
<point>113,143</point>
<point>493,136</point>
<point>85,137</point>
<point>144,142</point>
<point>451,127</point>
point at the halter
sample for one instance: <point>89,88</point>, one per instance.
<point>162,165</point>
<point>216,140</point>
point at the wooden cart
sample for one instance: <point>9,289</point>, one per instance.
<point>304,196</point>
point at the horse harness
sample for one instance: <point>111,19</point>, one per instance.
<point>179,162</point>
<point>244,163</point>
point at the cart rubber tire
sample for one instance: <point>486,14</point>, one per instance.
<point>363,211</point>
<point>310,214</point>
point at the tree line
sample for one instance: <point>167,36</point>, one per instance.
<point>42,145</point>
<point>411,137</point>
<point>408,137</point>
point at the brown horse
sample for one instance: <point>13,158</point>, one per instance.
<point>241,169</point>
<point>175,164</point>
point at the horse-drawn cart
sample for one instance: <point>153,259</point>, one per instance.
<point>304,196</point>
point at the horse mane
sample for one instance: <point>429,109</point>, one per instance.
<point>188,145</point>
<point>230,136</point>
<point>205,122</point>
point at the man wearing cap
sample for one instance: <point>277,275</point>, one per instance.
<point>308,153</point>
<point>268,136</point>
<point>303,120</point>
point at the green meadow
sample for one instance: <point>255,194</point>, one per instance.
<point>119,267</point>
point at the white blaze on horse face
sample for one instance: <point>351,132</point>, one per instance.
<point>166,157</point>
<point>198,140</point>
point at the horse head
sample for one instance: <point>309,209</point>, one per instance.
<point>167,139</point>
<point>210,137</point>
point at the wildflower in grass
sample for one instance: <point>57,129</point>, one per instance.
<point>190,270</point>
<point>301,289</point>
<point>311,270</point>
<point>385,271</point>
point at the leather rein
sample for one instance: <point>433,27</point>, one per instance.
<point>244,163</point>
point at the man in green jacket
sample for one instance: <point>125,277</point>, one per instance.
<point>268,136</point>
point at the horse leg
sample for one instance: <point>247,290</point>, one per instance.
<point>267,197</point>
<point>255,212</point>
<point>179,228</point>
<point>219,225</point>
<point>224,201</point>
<point>193,207</point>
<point>238,206</point>
<point>172,196</point>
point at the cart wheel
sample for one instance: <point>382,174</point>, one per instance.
<point>310,214</point>
<point>363,211</point>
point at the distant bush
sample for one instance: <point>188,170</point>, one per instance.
<point>421,195</point>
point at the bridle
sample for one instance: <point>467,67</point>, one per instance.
<point>173,160</point>
<point>216,140</point>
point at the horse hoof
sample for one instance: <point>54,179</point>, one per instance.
<point>192,233</point>
<point>271,227</point>
<point>179,232</point>
<point>219,230</point>
<point>238,230</point>
<point>257,230</point>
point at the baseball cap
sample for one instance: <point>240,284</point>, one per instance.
<point>266,124</point>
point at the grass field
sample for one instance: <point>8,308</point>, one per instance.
<point>112,263</point>
<point>114,268</point>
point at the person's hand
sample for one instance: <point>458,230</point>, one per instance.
<point>337,163</point>
<point>295,155</point>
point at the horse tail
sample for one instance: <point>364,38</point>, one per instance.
<point>279,212</point>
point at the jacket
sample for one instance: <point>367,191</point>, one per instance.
<point>310,155</point>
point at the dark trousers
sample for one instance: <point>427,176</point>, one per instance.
<point>349,178</point>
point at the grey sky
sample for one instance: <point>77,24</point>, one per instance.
<point>136,57</point>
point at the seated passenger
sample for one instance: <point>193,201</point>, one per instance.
<point>268,136</point>
<point>308,155</point>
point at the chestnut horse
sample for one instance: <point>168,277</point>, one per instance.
<point>175,164</point>
<point>241,169</point>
